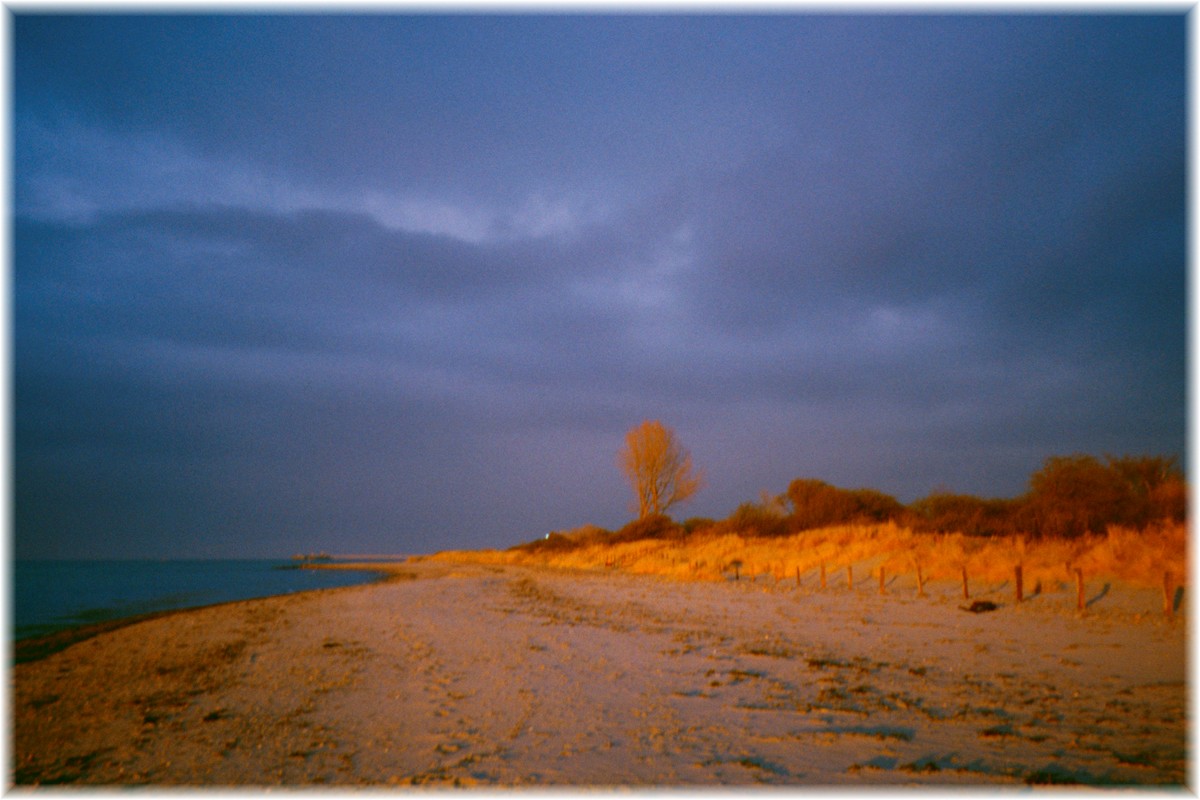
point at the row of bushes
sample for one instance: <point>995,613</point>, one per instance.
<point>1068,497</point>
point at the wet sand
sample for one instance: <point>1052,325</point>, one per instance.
<point>508,676</point>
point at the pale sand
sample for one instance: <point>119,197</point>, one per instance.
<point>513,677</point>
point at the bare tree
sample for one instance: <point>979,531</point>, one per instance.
<point>658,468</point>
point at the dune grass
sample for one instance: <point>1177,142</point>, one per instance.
<point>1136,557</point>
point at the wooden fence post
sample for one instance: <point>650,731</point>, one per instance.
<point>1168,595</point>
<point>882,576</point>
<point>822,574</point>
<point>1079,601</point>
<point>849,577</point>
<point>1020,581</point>
<point>966,591</point>
<point>797,575</point>
<point>920,581</point>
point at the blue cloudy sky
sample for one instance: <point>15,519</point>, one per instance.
<point>400,282</point>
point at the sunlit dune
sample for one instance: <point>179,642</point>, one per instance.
<point>1138,557</point>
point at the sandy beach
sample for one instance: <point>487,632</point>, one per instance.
<point>463,674</point>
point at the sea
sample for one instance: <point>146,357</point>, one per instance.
<point>49,596</point>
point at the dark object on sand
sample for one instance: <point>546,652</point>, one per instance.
<point>979,606</point>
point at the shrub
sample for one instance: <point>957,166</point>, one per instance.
<point>1074,495</point>
<point>757,519</point>
<point>551,543</point>
<point>556,541</point>
<point>588,534</point>
<point>962,513</point>
<point>816,504</point>
<point>1168,501</point>
<point>872,506</point>
<point>654,526</point>
<point>1156,487</point>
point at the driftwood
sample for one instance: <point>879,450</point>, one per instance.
<point>979,606</point>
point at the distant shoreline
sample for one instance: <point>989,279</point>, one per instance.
<point>394,557</point>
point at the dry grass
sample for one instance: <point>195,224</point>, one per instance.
<point>1137,557</point>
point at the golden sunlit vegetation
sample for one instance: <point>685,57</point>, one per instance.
<point>1123,519</point>
<point>1139,557</point>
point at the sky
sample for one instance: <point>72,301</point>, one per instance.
<point>399,282</point>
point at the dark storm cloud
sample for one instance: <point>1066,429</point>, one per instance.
<point>970,181</point>
<point>1019,237</point>
<point>168,361</point>
<point>401,282</point>
<point>241,277</point>
<point>427,101</point>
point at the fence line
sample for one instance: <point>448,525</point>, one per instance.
<point>1170,586</point>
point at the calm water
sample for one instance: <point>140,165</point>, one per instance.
<point>51,595</point>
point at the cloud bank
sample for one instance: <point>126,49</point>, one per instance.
<point>398,283</point>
